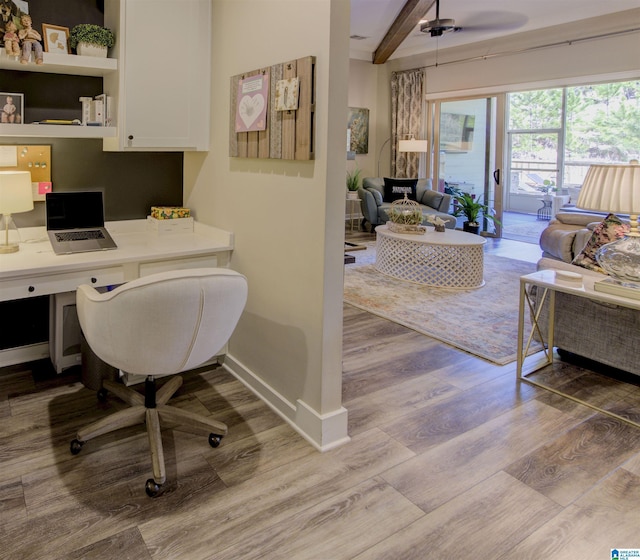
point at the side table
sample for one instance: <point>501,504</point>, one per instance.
<point>544,212</point>
<point>353,212</point>
<point>549,282</point>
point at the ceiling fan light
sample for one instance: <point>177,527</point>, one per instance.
<point>436,27</point>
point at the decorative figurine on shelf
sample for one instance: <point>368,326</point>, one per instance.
<point>30,40</point>
<point>11,41</point>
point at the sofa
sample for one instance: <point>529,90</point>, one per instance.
<point>607,334</point>
<point>375,209</point>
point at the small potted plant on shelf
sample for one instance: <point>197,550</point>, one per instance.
<point>471,208</point>
<point>353,183</point>
<point>91,40</point>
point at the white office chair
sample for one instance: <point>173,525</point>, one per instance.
<point>156,326</point>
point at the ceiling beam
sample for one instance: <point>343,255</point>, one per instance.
<point>408,18</point>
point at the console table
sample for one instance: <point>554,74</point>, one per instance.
<point>36,270</point>
<point>449,259</point>
<point>550,282</point>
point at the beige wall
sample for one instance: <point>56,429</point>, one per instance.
<point>609,58</point>
<point>287,216</point>
<point>368,87</point>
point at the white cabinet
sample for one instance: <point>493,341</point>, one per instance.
<point>162,89</point>
<point>158,76</point>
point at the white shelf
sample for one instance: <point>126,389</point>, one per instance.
<point>55,63</point>
<point>57,131</point>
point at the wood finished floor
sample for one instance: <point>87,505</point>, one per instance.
<point>450,457</point>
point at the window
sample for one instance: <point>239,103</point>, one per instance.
<point>554,135</point>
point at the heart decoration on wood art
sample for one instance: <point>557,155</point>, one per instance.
<point>250,108</point>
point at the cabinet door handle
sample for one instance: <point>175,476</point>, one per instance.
<point>94,280</point>
<point>31,289</point>
<point>130,137</point>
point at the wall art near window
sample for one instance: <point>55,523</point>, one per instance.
<point>251,112</point>
<point>11,107</point>
<point>56,39</point>
<point>358,125</point>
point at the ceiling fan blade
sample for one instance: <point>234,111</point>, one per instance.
<point>492,21</point>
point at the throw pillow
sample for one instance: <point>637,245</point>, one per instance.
<point>610,229</point>
<point>397,188</point>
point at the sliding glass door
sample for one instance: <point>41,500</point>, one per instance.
<point>469,154</point>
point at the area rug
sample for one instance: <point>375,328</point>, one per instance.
<point>483,322</point>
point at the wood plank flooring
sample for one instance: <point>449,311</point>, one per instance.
<point>450,457</point>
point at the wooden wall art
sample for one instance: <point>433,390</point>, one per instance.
<point>288,132</point>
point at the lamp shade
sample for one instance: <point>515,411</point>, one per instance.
<point>15,192</point>
<point>611,188</point>
<point>616,188</point>
<point>413,145</point>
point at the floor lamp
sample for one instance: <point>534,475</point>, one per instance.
<point>413,145</point>
<point>380,153</point>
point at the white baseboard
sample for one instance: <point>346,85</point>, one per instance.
<point>323,431</point>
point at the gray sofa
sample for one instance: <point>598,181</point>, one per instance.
<point>608,334</point>
<point>374,209</point>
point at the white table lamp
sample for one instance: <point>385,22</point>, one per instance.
<point>15,196</point>
<point>616,188</point>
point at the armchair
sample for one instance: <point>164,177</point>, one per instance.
<point>375,209</point>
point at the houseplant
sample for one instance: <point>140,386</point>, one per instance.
<point>91,40</point>
<point>548,187</point>
<point>353,183</point>
<point>471,208</point>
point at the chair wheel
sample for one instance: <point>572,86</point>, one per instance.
<point>152,488</point>
<point>214,440</point>
<point>102,395</point>
<point>76,446</point>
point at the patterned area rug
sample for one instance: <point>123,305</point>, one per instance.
<point>483,322</point>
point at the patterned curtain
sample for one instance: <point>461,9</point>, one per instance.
<point>407,119</point>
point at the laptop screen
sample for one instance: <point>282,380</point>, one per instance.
<point>72,210</point>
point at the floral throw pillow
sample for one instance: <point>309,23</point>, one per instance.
<point>610,229</point>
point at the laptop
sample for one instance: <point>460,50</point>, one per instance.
<point>75,222</point>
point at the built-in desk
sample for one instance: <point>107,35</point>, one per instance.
<point>36,270</point>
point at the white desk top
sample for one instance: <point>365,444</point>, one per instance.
<point>135,244</point>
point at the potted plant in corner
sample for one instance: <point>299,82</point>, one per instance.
<point>353,183</point>
<point>91,40</point>
<point>471,208</point>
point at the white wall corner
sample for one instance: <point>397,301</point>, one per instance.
<point>323,431</point>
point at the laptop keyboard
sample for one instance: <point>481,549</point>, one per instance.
<point>79,235</point>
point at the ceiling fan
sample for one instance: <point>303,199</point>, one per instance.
<point>436,27</point>
<point>481,22</point>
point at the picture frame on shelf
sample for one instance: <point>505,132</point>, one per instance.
<point>56,38</point>
<point>11,108</point>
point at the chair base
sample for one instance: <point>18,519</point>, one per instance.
<point>151,409</point>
